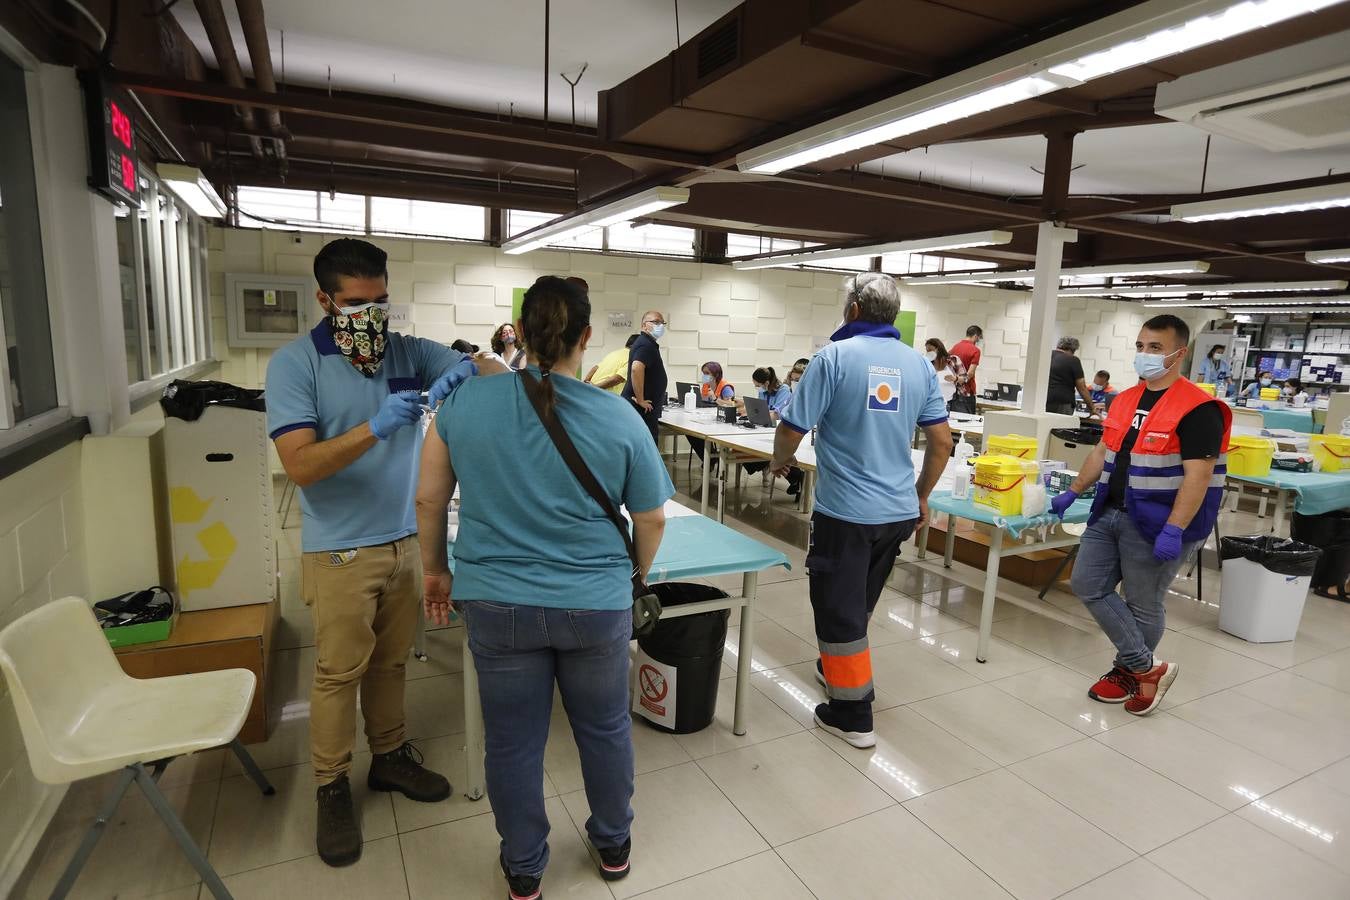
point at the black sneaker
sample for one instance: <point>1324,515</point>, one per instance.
<point>612,861</point>
<point>402,770</point>
<point>854,733</point>
<point>520,887</point>
<point>338,832</point>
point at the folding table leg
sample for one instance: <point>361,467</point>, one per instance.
<point>990,595</point>
<point>1059,570</point>
<point>180,834</point>
<point>251,768</point>
<point>91,836</point>
<point>745,650</point>
<point>474,744</point>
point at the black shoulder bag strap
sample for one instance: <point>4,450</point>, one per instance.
<point>646,606</point>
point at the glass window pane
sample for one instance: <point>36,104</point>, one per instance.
<point>670,240</point>
<point>391,215</point>
<point>131,298</point>
<point>343,212</point>
<point>168,224</point>
<point>23,281</point>
<point>156,361</point>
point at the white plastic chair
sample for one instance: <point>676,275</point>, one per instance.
<point>82,716</point>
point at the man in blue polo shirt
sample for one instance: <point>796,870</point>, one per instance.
<point>865,392</point>
<point>342,406</point>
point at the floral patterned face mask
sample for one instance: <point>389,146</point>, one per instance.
<point>359,333</point>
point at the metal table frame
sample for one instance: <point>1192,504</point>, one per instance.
<point>997,551</point>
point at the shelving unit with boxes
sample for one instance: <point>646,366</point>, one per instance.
<point>1317,353</point>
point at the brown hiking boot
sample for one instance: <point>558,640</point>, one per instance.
<point>402,770</point>
<point>338,834</point>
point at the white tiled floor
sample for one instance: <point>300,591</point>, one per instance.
<point>988,780</point>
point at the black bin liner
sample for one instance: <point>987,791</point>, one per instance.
<point>1273,553</point>
<point>1331,532</point>
<point>1089,436</point>
<point>693,645</point>
<point>187,400</point>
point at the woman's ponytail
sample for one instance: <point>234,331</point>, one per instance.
<point>553,316</point>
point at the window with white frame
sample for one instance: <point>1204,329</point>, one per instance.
<point>427,218</point>
<point>27,366</point>
<point>161,255</point>
<point>754,244</point>
<point>667,240</point>
<point>296,210</point>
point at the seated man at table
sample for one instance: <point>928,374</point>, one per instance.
<point>1159,471</point>
<point>865,392</point>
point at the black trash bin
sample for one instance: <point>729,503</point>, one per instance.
<point>679,664</point>
<point>1331,532</point>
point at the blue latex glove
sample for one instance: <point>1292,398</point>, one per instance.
<point>1168,545</point>
<point>446,384</point>
<point>397,410</point>
<point>1060,503</point>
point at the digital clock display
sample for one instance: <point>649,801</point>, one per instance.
<point>114,168</point>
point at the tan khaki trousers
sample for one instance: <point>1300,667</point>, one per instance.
<point>365,604</point>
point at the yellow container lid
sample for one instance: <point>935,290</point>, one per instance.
<point>1248,442</point>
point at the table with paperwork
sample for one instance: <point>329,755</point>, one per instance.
<point>702,424</point>
<point>1004,526</point>
<point>693,546</point>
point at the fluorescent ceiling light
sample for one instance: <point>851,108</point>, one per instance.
<point>1251,301</point>
<point>632,207</point>
<point>1133,270</point>
<point>1209,290</point>
<point>949,242</point>
<point>1286,310</point>
<point>1327,196</point>
<point>1197,31</point>
<point>1250,304</point>
<point>1133,37</point>
<point>1328,256</point>
<point>190,185</point>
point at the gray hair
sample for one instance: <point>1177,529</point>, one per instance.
<point>877,296</point>
<point>1068,343</point>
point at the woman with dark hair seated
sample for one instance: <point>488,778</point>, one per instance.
<point>713,389</point>
<point>776,394</point>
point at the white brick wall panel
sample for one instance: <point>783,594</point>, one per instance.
<point>712,306</point>
<point>744,307</point>
<point>767,341</point>
<point>745,324</point>
<point>477,315</point>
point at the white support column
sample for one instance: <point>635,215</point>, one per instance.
<point>1050,241</point>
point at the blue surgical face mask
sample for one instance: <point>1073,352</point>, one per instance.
<point>706,378</point>
<point>658,331</point>
<point>1265,382</point>
<point>1151,366</point>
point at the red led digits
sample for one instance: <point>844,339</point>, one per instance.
<point>121,124</point>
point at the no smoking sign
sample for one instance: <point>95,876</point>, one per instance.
<point>654,693</point>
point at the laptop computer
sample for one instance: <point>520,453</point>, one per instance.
<point>757,411</point>
<point>682,388</point>
<point>1009,392</point>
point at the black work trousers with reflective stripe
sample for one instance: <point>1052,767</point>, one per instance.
<point>848,565</point>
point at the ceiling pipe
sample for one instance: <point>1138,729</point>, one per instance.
<point>227,60</point>
<point>260,55</point>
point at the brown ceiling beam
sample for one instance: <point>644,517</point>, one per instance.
<point>917,194</point>
<point>388,111</point>
<point>1063,100</point>
<point>1106,118</point>
<point>869,52</point>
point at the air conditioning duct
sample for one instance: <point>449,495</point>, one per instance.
<point>1297,98</point>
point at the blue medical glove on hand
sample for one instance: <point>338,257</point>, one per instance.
<point>1060,503</point>
<point>446,384</point>
<point>1168,545</point>
<point>397,410</point>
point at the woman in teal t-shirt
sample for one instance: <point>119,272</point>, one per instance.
<point>542,576</point>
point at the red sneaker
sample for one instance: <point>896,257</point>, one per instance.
<point>1115,686</point>
<point>1152,685</point>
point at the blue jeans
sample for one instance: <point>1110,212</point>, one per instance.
<point>518,652</point>
<point>1113,552</point>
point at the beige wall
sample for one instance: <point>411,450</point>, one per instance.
<point>741,319</point>
<point>41,559</point>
